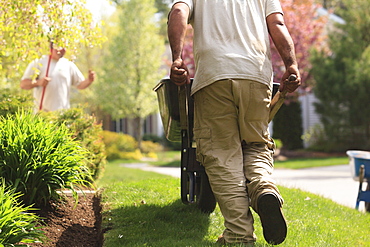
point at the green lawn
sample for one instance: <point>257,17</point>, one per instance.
<point>144,209</point>
<point>172,158</point>
<point>299,163</point>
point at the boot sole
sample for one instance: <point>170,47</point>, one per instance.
<point>272,219</point>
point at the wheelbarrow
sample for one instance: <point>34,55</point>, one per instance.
<point>359,162</point>
<point>177,112</point>
<point>176,107</point>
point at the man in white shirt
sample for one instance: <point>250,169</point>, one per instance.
<point>62,75</point>
<point>232,94</point>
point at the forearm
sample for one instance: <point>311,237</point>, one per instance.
<point>84,84</point>
<point>177,26</point>
<point>285,46</point>
<point>28,84</point>
<point>282,39</point>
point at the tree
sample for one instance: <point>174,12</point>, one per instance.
<point>93,58</point>
<point>162,7</point>
<point>343,79</point>
<point>27,27</point>
<point>132,67</point>
<point>307,29</point>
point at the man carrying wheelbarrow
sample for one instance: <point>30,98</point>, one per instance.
<point>232,94</point>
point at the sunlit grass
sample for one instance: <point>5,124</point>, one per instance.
<point>172,159</point>
<point>144,209</point>
<point>299,163</point>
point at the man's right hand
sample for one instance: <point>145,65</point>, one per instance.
<point>288,85</point>
<point>43,82</point>
<point>28,84</point>
<point>179,73</point>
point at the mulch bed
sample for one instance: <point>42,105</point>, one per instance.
<point>68,225</point>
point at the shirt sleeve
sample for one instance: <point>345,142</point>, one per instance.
<point>187,2</point>
<point>32,70</point>
<point>273,6</point>
<point>76,76</point>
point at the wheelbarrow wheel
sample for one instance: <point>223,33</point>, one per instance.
<point>205,200</point>
<point>367,204</point>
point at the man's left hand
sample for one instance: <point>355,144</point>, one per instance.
<point>91,75</point>
<point>179,73</point>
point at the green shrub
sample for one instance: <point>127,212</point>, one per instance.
<point>278,143</point>
<point>153,138</point>
<point>84,129</point>
<point>166,144</point>
<point>149,146</point>
<point>136,155</point>
<point>152,155</point>
<point>287,126</point>
<point>10,103</point>
<point>176,146</point>
<point>118,143</point>
<point>83,126</point>
<point>37,158</point>
<point>316,139</point>
<point>17,224</point>
<point>123,146</point>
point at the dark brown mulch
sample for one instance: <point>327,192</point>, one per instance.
<point>70,226</point>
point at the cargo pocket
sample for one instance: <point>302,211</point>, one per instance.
<point>260,99</point>
<point>202,138</point>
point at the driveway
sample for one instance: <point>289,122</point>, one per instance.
<point>333,182</point>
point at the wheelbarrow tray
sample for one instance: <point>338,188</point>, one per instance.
<point>168,101</point>
<point>356,159</point>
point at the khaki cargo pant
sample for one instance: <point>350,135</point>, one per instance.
<point>234,146</point>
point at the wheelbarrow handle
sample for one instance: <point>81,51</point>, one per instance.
<point>278,100</point>
<point>362,174</point>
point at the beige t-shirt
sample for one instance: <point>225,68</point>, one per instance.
<point>231,40</point>
<point>63,73</point>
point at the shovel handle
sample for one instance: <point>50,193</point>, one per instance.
<point>47,74</point>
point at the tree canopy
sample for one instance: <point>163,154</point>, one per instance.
<point>343,79</point>
<point>28,26</point>
<point>132,67</point>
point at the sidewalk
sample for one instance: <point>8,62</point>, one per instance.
<point>333,182</point>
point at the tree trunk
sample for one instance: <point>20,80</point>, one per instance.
<point>139,121</point>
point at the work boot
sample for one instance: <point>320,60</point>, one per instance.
<point>272,218</point>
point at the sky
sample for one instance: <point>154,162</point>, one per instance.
<point>100,7</point>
